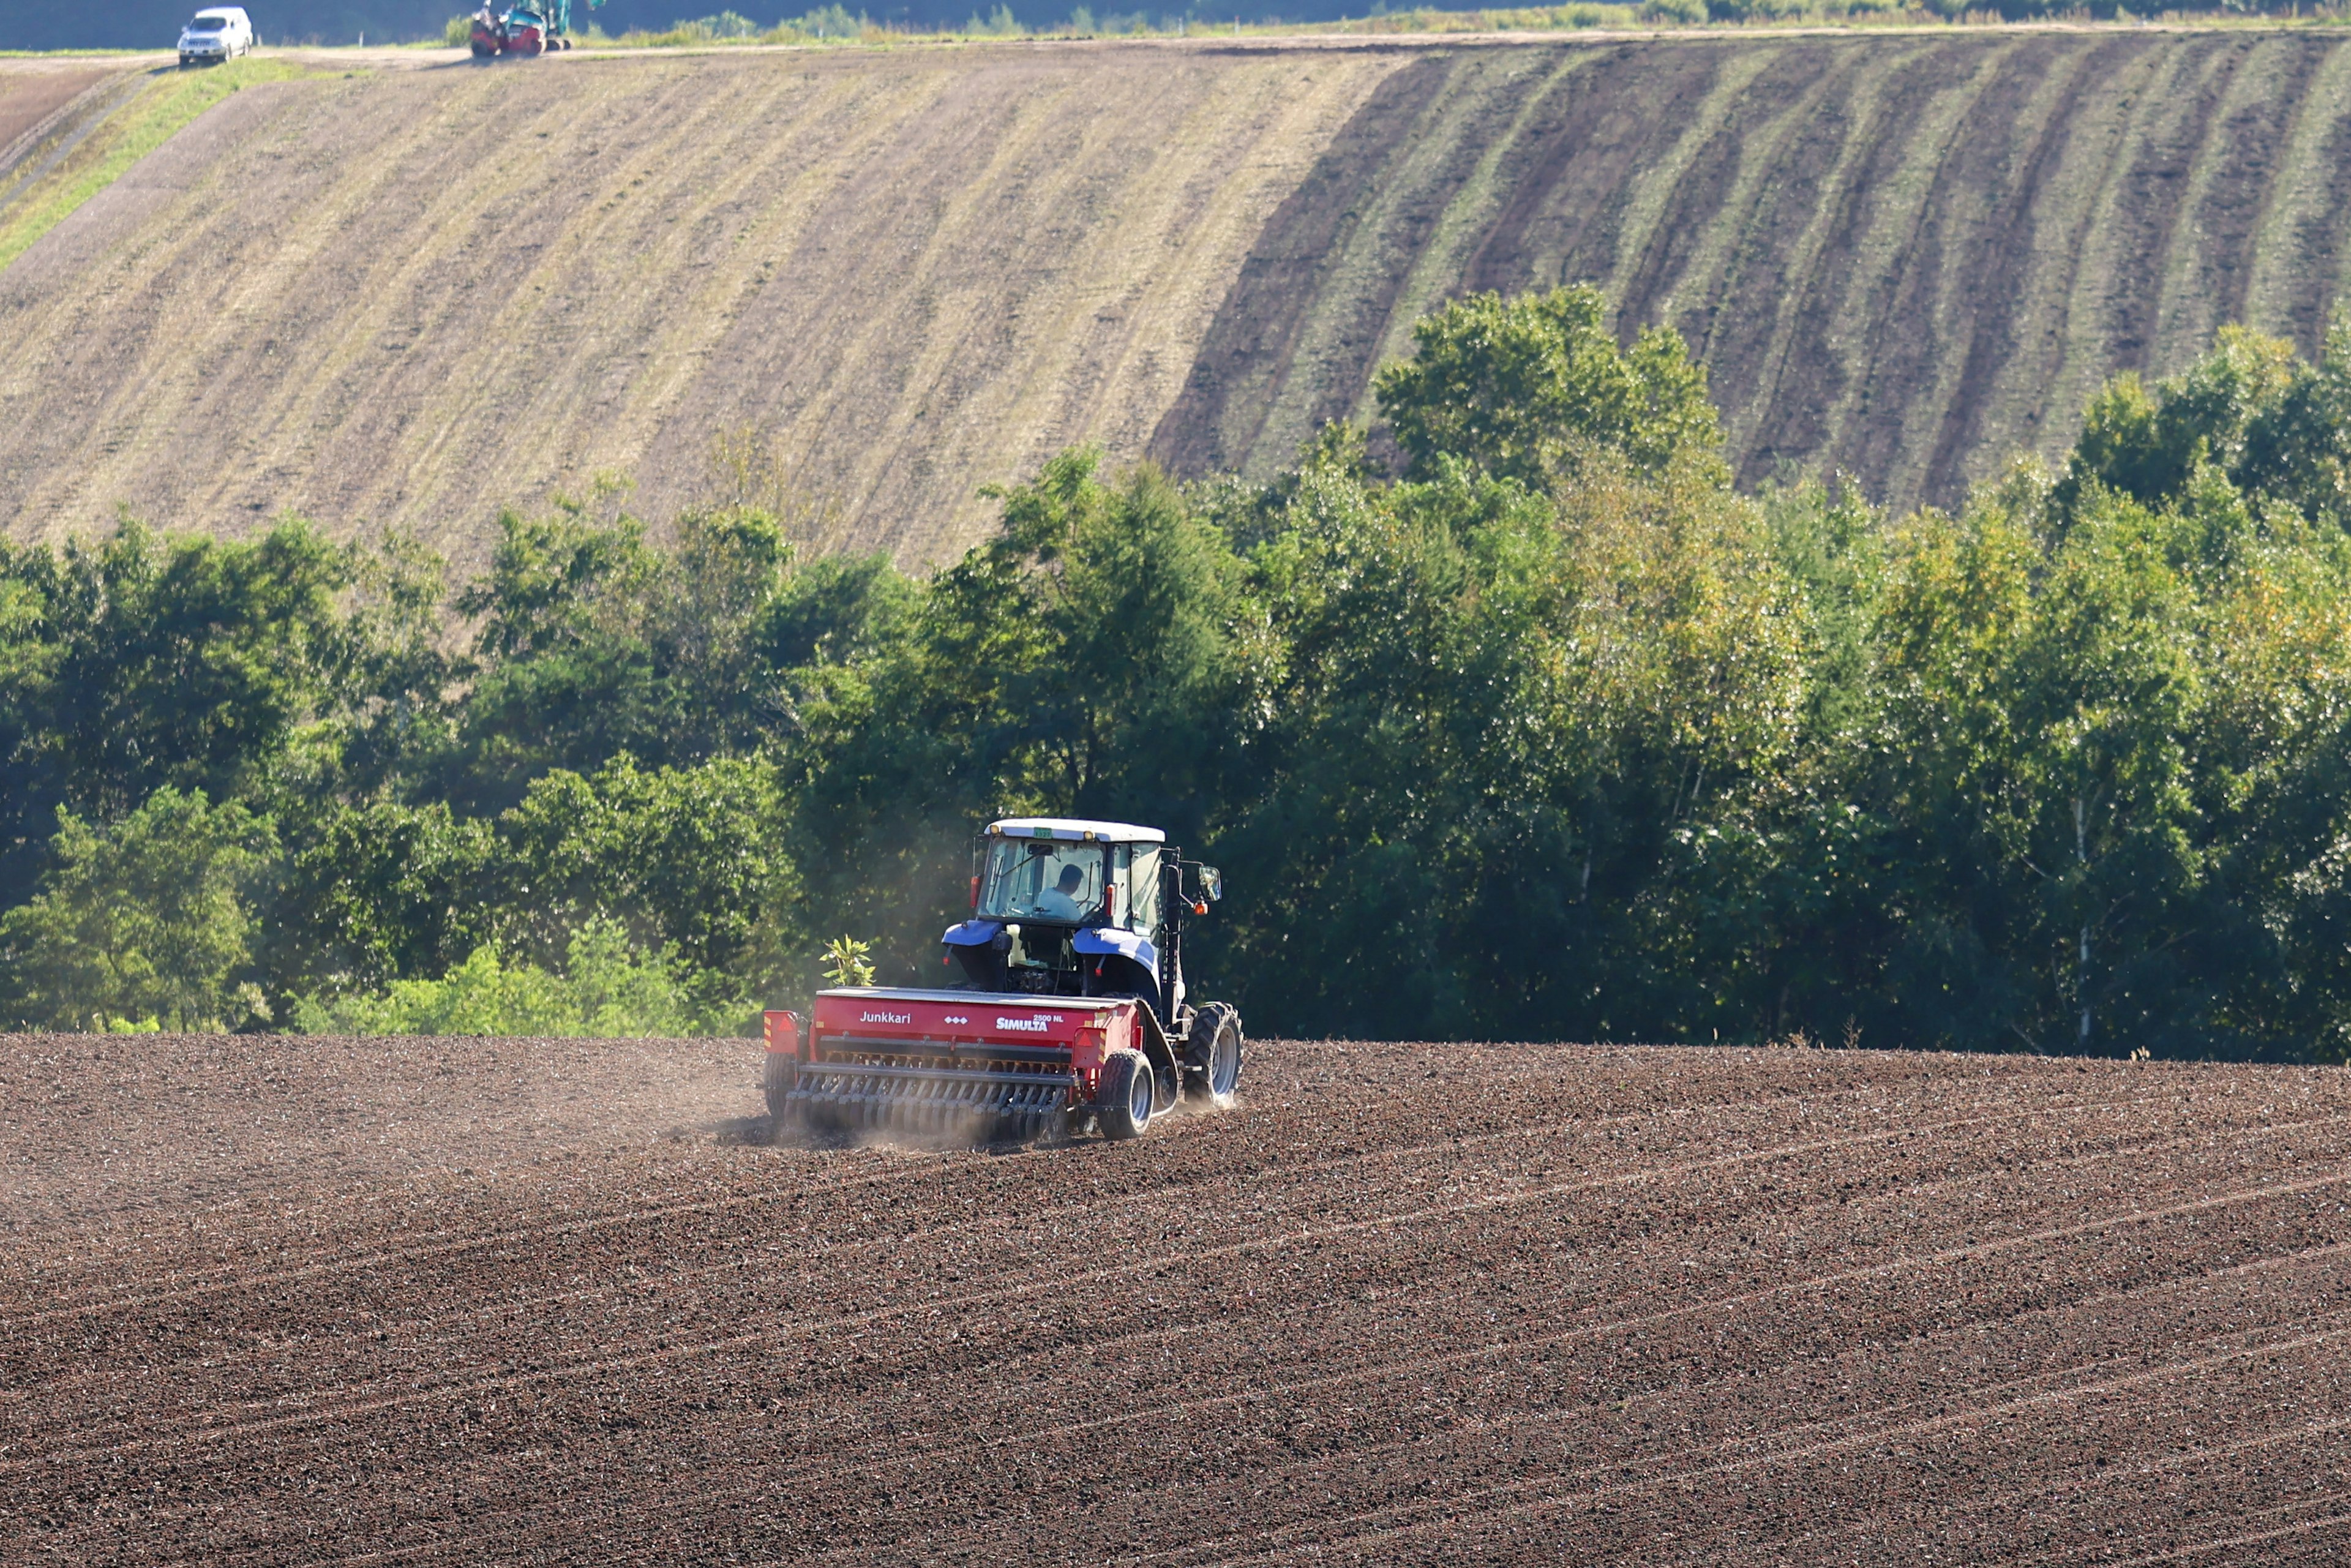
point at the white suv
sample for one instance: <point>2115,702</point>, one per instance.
<point>218,33</point>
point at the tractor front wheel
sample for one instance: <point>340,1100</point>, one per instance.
<point>1124,1103</point>
<point>1212,1055</point>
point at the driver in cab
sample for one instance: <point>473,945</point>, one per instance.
<point>1059,902</point>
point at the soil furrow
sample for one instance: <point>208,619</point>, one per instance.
<point>1730,1307</point>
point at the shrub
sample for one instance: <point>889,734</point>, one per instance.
<point>609,989</point>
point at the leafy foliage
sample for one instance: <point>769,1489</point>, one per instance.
<point>608,991</point>
<point>846,962</point>
<point>1520,386</point>
<point>2268,421</point>
<point>1552,734</point>
<point>146,661</point>
<point>152,918</point>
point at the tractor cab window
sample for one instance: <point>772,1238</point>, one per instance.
<point>1041,879</point>
<point>1138,893</point>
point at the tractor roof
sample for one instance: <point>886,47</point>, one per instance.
<point>1072,828</point>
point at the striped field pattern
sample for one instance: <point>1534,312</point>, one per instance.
<point>414,295</point>
<point>1906,258</point>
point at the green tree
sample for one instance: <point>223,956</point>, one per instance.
<point>1519,386</point>
<point>2145,444</point>
<point>151,660</point>
<point>1087,659</point>
<point>594,641</point>
<point>1499,718</point>
<point>153,918</point>
<point>565,674</point>
<point>694,859</point>
<point>384,891</point>
<point>2299,449</point>
<point>2271,424</point>
<point>2101,780</point>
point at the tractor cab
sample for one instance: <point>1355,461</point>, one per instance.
<point>1074,908</point>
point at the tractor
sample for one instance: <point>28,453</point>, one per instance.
<point>1064,1012</point>
<point>531,29</point>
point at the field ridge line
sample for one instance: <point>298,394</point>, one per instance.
<point>223,1278</point>
<point>1487,1352</point>
<point>591,1365</point>
<point>1453,1513</point>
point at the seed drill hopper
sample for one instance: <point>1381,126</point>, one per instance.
<point>1064,1008</point>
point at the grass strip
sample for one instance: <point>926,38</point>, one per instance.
<point>151,119</point>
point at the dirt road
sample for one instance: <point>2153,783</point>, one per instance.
<point>512,1300</point>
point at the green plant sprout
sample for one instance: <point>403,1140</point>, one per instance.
<point>846,962</point>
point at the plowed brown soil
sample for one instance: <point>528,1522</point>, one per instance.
<point>517,1301</point>
<point>33,92</point>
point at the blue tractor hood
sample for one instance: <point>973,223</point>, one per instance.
<point>1100,941</point>
<point>972,932</point>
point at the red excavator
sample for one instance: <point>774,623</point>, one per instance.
<point>1066,1010</point>
<point>531,29</point>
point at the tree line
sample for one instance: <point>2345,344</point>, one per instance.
<point>1512,719</point>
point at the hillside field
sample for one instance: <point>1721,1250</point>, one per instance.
<point>414,289</point>
<point>288,1302</point>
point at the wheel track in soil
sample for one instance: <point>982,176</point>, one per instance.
<point>638,1360</point>
<point>2204,1549</point>
<point>2241,1165</point>
<point>1862,1431</point>
<point>1883,1420</point>
<point>2101,1552</point>
<point>1446,1360</point>
<point>1717,1305</point>
<point>1864,1421</point>
<point>2170,1464</point>
<point>544,1299</point>
<point>228,1277</point>
<point>834,1255</point>
<point>1454,1512</point>
<point>1868,1433</point>
<point>443,1324</point>
<point>1886,1419</point>
<point>593,1366</point>
<point>2197,1456</point>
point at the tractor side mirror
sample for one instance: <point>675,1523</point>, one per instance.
<point>1212,883</point>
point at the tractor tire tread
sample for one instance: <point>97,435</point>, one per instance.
<point>1113,1103</point>
<point>1208,1024</point>
<point>777,1079</point>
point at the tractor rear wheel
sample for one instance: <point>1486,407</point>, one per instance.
<point>1124,1103</point>
<point>1212,1055</point>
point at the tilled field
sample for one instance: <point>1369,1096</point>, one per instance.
<point>518,1300</point>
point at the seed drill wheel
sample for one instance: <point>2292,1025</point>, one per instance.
<point>778,1079</point>
<point>1212,1057</point>
<point>1124,1103</point>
